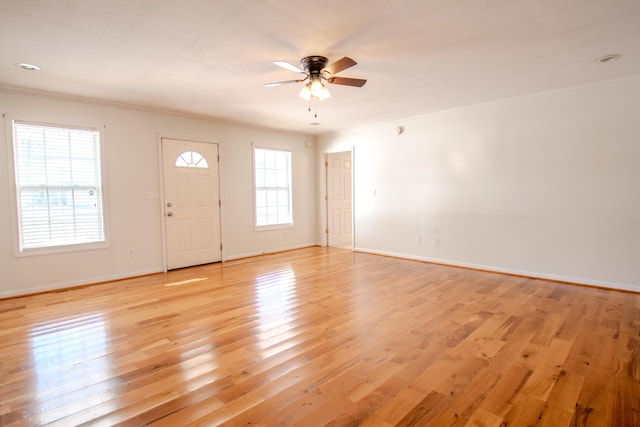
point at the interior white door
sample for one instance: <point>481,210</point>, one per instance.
<point>192,203</point>
<point>339,211</point>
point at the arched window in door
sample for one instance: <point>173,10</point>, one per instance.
<point>191,159</point>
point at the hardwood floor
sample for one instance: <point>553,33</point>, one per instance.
<point>322,336</point>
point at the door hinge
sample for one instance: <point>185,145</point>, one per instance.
<point>326,231</point>
<point>218,158</point>
<point>220,246</point>
<point>326,163</point>
<point>219,203</point>
<point>326,197</point>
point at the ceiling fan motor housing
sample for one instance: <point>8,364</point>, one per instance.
<point>313,64</point>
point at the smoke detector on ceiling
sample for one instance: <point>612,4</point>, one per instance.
<point>27,66</point>
<point>609,58</point>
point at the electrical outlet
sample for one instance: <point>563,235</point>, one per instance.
<point>130,251</point>
<point>436,241</point>
<point>419,238</point>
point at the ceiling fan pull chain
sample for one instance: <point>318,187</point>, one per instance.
<point>315,106</point>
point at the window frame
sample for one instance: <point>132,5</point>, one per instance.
<point>191,164</point>
<point>13,190</point>
<point>255,189</point>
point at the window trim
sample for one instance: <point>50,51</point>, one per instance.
<point>267,227</point>
<point>13,195</point>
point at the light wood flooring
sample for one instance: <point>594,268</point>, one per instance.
<point>322,336</point>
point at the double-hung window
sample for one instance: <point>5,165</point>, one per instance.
<point>273,195</point>
<point>58,182</point>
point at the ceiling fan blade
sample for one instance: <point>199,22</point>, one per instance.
<point>286,82</point>
<point>346,81</point>
<point>339,65</point>
<point>289,67</point>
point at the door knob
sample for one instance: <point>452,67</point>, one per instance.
<point>169,213</point>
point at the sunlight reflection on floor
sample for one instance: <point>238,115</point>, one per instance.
<point>276,294</point>
<point>71,363</point>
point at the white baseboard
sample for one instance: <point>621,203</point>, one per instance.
<point>128,275</point>
<point>65,285</point>
<point>269,251</point>
<point>535,275</point>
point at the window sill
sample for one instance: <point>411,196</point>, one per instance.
<point>51,250</point>
<point>272,227</point>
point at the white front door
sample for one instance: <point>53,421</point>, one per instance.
<point>339,214</point>
<point>192,203</point>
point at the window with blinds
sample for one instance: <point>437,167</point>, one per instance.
<point>273,198</point>
<point>58,186</point>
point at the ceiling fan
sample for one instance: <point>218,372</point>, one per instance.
<point>316,70</point>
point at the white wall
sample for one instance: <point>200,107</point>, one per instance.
<point>545,185</point>
<point>132,169</point>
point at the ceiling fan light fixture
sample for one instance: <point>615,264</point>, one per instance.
<point>319,91</point>
<point>324,94</point>
<point>316,87</point>
<point>305,93</point>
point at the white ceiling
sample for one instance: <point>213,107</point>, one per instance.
<point>211,57</point>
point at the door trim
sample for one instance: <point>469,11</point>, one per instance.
<point>324,240</point>
<point>162,200</point>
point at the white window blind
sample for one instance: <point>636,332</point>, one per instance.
<point>58,185</point>
<point>273,187</point>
